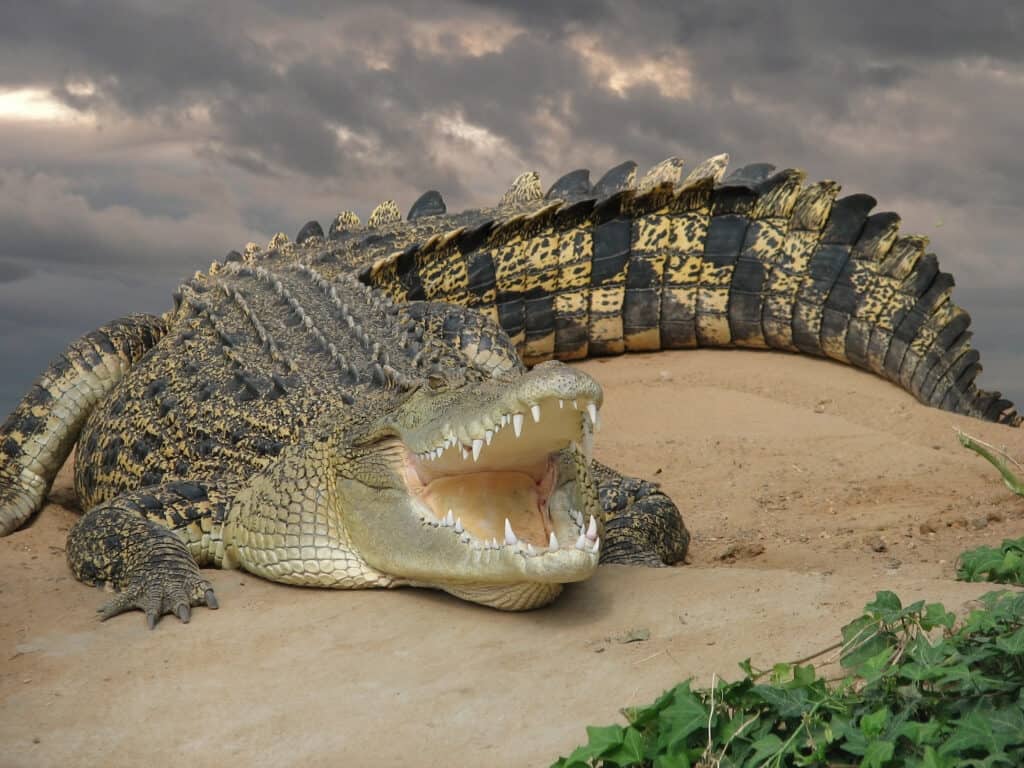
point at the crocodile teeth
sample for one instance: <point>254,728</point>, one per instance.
<point>494,543</point>
<point>478,445</point>
<point>553,542</point>
<point>465,453</point>
<point>510,535</point>
<point>517,423</point>
<point>581,543</point>
<point>592,412</point>
<point>458,524</point>
<point>449,519</point>
<point>592,529</point>
<point>535,412</point>
<point>504,419</point>
<point>561,404</point>
<point>488,436</point>
<point>530,550</point>
<point>597,546</point>
<point>575,405</point>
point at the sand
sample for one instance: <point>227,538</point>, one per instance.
<point>808,486</point>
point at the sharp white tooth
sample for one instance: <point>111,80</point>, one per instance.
<point>597,546</point>
<point>458,523</point>
<point>530,550</point>
<point>535,412</point>
<point>510,535</point>
<point>592,411</point>
<point>465,453</point>
<point>449,519</point>
<point>494,543</point>
<point>478,445</point>
<point>488,436</point>
<point>517,423</point>
<point>504,419</point>
<point>592,529</point>
<point>553,542</point>
<point>561,404</point>
<point>575,405</point>
<point>581,542</point>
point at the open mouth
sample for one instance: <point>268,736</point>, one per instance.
<point>513,481</point>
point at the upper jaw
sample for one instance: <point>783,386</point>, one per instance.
<point>474,416</point>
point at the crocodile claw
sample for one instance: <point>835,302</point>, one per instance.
<point>155,595</point>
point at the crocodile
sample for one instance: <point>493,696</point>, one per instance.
<point>391,404</point>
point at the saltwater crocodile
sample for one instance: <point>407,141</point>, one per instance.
<point>387,405</point>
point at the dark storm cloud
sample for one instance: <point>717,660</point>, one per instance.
<point>201,127</point>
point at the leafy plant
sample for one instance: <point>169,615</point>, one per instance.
<point>1004,564</point>
<point>921,691</point>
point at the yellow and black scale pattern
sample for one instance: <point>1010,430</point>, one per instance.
<point>755,259</point>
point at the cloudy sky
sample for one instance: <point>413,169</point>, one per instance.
<point>140,140</point>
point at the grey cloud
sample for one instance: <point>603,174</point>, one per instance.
<point>11,272</point>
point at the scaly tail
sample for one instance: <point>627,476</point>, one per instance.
<point>752,260</point>
<point>38,436</point>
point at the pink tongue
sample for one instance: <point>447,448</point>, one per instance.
<point>484,499</point>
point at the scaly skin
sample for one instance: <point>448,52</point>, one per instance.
<point>357,411</point>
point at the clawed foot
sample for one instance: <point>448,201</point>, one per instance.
<point>157,594</point>
<point>148,564</point>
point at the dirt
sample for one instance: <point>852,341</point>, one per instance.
<point>807,485</point>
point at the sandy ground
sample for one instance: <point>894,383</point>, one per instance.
<point>807,485</point>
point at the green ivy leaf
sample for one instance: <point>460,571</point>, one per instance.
<point>878,754</point>
<point>886,606</point>
<point>874,724</point>
<point>630,751</point>
<point>764,748</point>
<point>1012,644</point>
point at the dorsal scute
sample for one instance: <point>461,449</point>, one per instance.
<point>346,221</point>
<point>572,186</point>
<point>622,176</point>
<point>430,203</point>
<point>524,189</point>
<point>668,170</point>
<point>385,213</point>
<point>311,230</point>
<point>712,168</point>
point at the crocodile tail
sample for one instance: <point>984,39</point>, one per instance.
<point>753,259</point>
<point>39,434</point>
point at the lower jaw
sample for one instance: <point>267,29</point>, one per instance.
<point>524,596</point>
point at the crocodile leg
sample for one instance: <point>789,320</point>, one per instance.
<point>642,526</point>
<point>38,436</point>
<point>148,544</point>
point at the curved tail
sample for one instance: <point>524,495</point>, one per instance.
<point>39,434</point>
<point>754,259</point>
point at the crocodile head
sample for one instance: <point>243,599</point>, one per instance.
<point>480,488</point>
